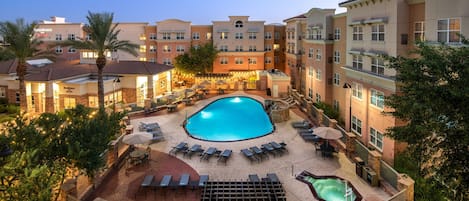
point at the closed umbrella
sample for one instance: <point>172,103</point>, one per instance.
<point>327,133</point>
<point>137,138</point>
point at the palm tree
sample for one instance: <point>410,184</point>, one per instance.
<point>21,44</point>
<point>103,39</point>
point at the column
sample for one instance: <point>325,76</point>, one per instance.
<point>150,93</point>
<point>350,144</point>
<point>374,162</point>
<point>405,182</point>
<point>49,97</point>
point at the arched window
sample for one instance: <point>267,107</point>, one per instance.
<point>238,24</point>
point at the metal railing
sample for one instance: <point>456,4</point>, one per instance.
<point>389,174</point>
<point>342,130</point>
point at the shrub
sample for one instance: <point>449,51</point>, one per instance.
<point>328,110</point>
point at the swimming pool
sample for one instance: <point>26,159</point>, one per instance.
<point>330,188</point>
<point>230,119</point>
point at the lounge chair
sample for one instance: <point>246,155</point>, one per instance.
<point>281,147</point>
<point>202,180</point>
<point>179,148</point>
<point>148,126</point>
<point>272,177</point>
<point>254,178</point>
<point>261,154</point>
<point>196,148</point>
<point>310,137</point>
<point>269,149</point>
<point>224,156</point>
<point>305,130</point>
<point>248,154</point>
<point>147,180</point>
<point>209,153</point>
<point>184,180</point>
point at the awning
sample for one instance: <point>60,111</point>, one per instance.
<point>253,30</point>
<point>222,30</point>
<point>376,20</point>
<point>356,22</point>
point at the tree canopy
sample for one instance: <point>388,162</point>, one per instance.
<point>433,100</point>
<point>198,60</point>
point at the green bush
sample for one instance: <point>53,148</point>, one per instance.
<point>13,109</point>
<point>3,101</point>
<point>328,110</point>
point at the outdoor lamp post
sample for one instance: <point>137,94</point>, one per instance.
<point>114,82</point>
<point>348,86</point>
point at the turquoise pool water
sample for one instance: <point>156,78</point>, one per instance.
<point>330,189</point>
<point>230,119</point>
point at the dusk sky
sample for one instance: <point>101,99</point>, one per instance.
<point>199,12</point>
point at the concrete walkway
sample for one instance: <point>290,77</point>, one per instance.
<point>301,155</point>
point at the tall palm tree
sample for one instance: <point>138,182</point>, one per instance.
<point>103,39</point>
<point>21,44</point>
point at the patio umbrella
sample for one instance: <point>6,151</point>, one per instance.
<point>205,82</point>
<point>137,138</point>
<point>327,133</point>
<point>220,82</point>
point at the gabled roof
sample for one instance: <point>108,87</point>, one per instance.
<point>296,17</point>
<point>63,69</point>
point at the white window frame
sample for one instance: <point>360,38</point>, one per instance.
<point>310,71</point>
<point>180,36</point>
<point>71,37</point>
<point>318,54</point>
<point>357,62</point>
<point>58,37</point>
<point>268,60</point>
<point>3,92</point>
<point>196,36</point>
<point>166,36</point>
<point>377,66</point>
<point>318,98</point>
<point>239,48</point>
<point>166,48</point>
<point>223,60</point>
<point>336,79</point>
<point>318,74</point>
<point>268,48</point>
<point>152,36</point>
<point>252,48</point>
<point>419,31</point>
<point>357,33</point>
<point>152,48</point>
<point>239,60</point>
<point>223,48</point>
<point>252,60</point>
<point>376,138</point>
<point>337,34</point>
<point>59,50</point>
<point>357,91</point>
<point>377,99</point>
<point>88,36</point>
<point>252,35</point>
<point>239,36</point>
<point>336,57</point>
<point>356,126</point>
<point>378,32</point>
<point>223,35</point>
<point>310,53</point>
<point>268,35</point>
<point>447,30</point>
<point>180,48</point>
<point>167,61</point>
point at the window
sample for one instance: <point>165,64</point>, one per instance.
<point>268,60</point>
<point>318,98</point>
<point>318,54</point>
<point>337,34</point>
<point>336,79</point>
<point>377,99</point>
<point>143,48</point>
<point>268,35</point>
<point>357,125</point>
<point>166,36</point>
<point>318,74</point>
<point>72,50</point>
<point>88,37</point>
<point>17,97</point>
<point>377,66</point>
<point>268,48</point>
<point>142,59</point>
<point>419,31</point>
<point>223,60</point>
<point>238,35</point>
<point>377,32</point>
<point>167,61</point>
<point>252,60</point>
<point>180,36</point>
<point>224,35</point>
<point>277,35</point>
<point>252,36</point>
<point>143,37</point>
<point>336,57</point>
<point>152,60</point>
<point>93,101</point>
<point>276,47</point>
<point>152,48</point>
<point>223,48</point>
<point>317,34</point>
<point>376,138</point>
<point>180,48</point>
<point>238,24</point>
<point>152,36</point>
<point>239,48</point>
<point>357,90</point>
<point>335,105</point>
<point>357,62</point>
<point>252,48</point>
<point>3,92</point>
<point>69,103</point>
<point>58,50</point>
<point>195,36</point>
<point>238,60</point>
<point>71,37</point>
<point>166,48</point>
<point>58,36</point>
<point>208,36</point>
<point>357,33</point>
<point>310,71</point>
<point>310,53</point>
<point>448,30</point>
<point>310,93</point>
<point>310,34</point>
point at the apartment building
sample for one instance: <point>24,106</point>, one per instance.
<point>274,47</point>
<point>293,29</point>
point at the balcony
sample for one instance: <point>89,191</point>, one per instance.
<point>382,81</point>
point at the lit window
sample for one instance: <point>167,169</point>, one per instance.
<point>377,66</point>
<point>143,48</point>
<point>2,92</point>
<point>166,48</point>
<point>69,103</point>
<point>143,37</point>
<point>376,138</point>
<point>357,90</point>
<point>357,33</point>
<point>377,32</point>
<point>419,31</point>
<point>93,101</point>
<point>224,35</point>
<point>356,125</point>
<point>208,36</point>
<point>448,30</point>
<point>377,98</point>
<point>337,79</point>
<point>142,59</point>
<point>152,48</point>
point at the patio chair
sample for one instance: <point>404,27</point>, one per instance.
<point>224,156</point>
<point>305,130</point>
<point>209,153</point>
<point>248,154</point>
<point>147,126</point>
<point>254,178</point>
<point>179,148</point>
<point>184,180</point>
<point>269,149</point>
<point>304,125</point>
<point>202,180</point>
<point>261,154</point>
<point>147,180</point>
<point>196,148</point>
<point>310,137</point>
<point>281,146</point>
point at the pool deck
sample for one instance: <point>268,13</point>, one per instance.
<point>301,155</point>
